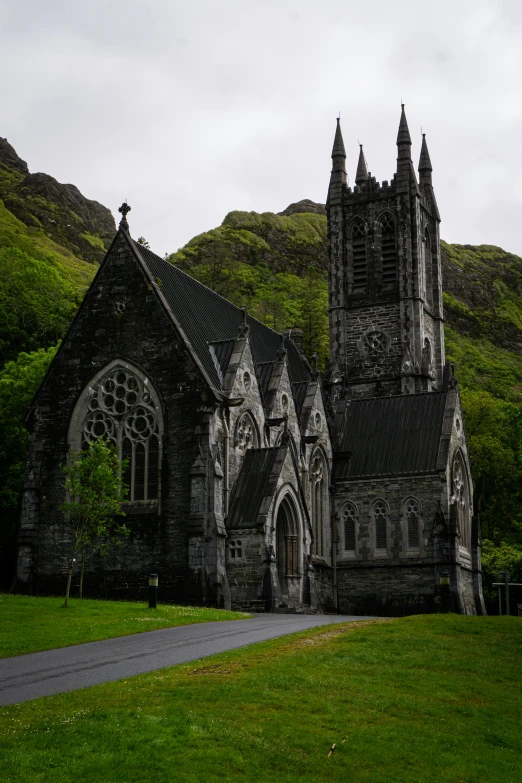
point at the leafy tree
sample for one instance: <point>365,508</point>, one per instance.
<point>94,494</point>
<point>500,558</point>
<point>143,241</point>
<point>19,382</point>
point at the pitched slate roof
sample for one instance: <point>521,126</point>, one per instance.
<point>299,393</point>
<point>392,436</point>
<point>251,487</point>
<point>206,317</point>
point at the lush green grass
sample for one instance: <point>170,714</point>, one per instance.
<point>426,698</point>
<point>28,624</point>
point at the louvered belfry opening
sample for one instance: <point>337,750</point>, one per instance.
<point>360,265</point>
<point>389,250</point>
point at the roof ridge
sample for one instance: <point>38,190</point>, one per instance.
<point>394,396</point>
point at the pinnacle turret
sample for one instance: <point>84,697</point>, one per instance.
<point>362,172</point>
<point>424,161</point>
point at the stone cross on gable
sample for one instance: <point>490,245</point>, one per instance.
<point>124,210</point>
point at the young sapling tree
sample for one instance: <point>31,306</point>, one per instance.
<point>95,491</point>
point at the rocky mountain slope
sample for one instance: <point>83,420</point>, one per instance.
<point>61,212</point>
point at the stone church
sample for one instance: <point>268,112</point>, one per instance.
<point>254,482</point>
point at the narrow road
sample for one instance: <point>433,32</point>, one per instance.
<point>31,676</point>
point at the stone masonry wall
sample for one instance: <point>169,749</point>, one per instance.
<point>121,317</point>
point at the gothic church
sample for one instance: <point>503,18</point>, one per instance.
<point>254,482</point>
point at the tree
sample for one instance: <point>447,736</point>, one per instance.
<point>94,494</point>
<point>143,241</point>
<point>19,382</point>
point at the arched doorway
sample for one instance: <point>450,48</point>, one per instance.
<point>287,544</point>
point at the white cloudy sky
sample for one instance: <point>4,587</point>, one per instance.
<point>191,109</point>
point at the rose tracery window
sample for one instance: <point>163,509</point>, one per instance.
<point>375,343</point>
<point>246,433</point>
<point>123,409</point>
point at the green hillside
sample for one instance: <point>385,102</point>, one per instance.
<point>51,239</point>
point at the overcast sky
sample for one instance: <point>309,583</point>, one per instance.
<point>190,109</point>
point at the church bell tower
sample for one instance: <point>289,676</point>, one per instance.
<point>385,286</point>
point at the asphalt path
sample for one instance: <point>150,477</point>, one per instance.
<point>31,676</point>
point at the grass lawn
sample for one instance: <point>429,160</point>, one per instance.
<point>426,698</point>
<point>29,624</point>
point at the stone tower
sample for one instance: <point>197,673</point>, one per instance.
<point>385,290</point>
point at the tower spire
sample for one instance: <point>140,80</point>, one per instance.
<point>362,172</point>
<point>403,136</point>
<point>338,158</point>
<point>405,170</point>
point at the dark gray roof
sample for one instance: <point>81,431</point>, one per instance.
<point>222,351</point>
<point>264,372</point>
<point>251,487</point>
<point>392,436</point>
<point>206,317</point>
<point>299,393</point>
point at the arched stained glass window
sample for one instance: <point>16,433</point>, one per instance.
<point>318,479</point>
<point>380,517</point>
<point>389,250</point>
<point>460,497</point>
<point>121,405</point>
<point>360,265</point>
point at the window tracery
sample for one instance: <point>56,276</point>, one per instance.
<point>380,518</point>
<point>319,501</point>
<point>349,519</point>
<point>412,510</point>
<point>460,496</point>
<point>121,408</point>
<point>246,433</point>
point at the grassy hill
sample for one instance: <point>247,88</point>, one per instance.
<point>51,239</point>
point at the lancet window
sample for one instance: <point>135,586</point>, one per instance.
<point>460,497</point>
<point>122,407</point>
<point>349,520</point>
<point>389,250</point>
<point>380,520</point>
<point>318,480</point>
<point>412,510</point>
<point>360,264</point>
